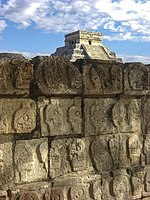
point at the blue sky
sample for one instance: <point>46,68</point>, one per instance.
<point>34,27</point>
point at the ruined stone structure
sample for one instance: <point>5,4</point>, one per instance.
<point>74,131</point>
<point>85,45</point>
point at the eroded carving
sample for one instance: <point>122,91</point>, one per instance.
<point>58,158</point>
<point>24,119</point>
<point>136,77</point>
<point>31,160</point>
<point>55,75</point>
<point>57,194</point>
<point>146,115</point>
<point>15,76</point>
<point>60,116</point>
<point>17,116</point>
<point>6,168</point>
<point>102,79</point>
<point>147,150</point>
<point>134,146</point>
<point>98,117</point>
<point>29,196</point>
<point>77,155</point>
<point>100,154</point>
<point>121,186</point>
<point>137,184</point>
<point>126,116</point>
<point>78,192</point>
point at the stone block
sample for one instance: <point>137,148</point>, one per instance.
<point>116,152</point>
<point>68,156</point>
<point>60,116</point>
<point>136,79</point>
<point>57,193</point>
<point>146,192</point>
<point>121,188</point>
<point>6,165</point>
<point>107,116</point>
<point>31,160</point>
<point>15,76</point>
<point>98,117</point>
<point>137,179</point>
<point>78,192</point>
<point>17,116</point>
<point>102,77</point>
<point>56,75</point>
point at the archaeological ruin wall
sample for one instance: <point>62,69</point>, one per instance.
<point>74,131</point>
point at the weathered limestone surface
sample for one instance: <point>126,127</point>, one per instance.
<point>17,115</point>
<point>74,131</point>
<point>101,77</point>
<point>15,76</point>
<point>56,75</point>
<point>60,116</point>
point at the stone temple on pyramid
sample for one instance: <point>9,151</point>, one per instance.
<point>85,45</point>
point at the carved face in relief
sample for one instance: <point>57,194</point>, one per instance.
<point>24,160</point>
<point>54,117</point>
<point>78,192</point>
<point>134,146</point>
<point>120,186</point>
<point>77,154</point>
<point>137,79</point>
<point>24,119</point>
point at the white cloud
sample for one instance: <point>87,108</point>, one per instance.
<point>3,25</point>
<point>26,54</point>
<point>135,58</point>
<point>129,19</point>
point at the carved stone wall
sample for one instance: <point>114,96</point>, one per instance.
<point>74,131</point>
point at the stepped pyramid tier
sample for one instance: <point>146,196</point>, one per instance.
<point>85,45</point>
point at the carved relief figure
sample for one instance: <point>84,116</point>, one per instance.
<point>74,113</point>
<point>23,74</point>
<point>24,161</point>
<point>126,117</point>
<point>57,194</point>
<point>134,146</point>
<point>95,80</point>
<point>138,79</point>
<point>100,155</point>
<point>121,188</point>
<point>114,150</point>
<point>58,159</point>
<point>134,116</point>
<point>29,196</point>
<point>97,190</point>
<point>147,181</point>
<point>54,117</point>
<point>99,118</point>
<point>147,150</point>
<point>137,184</point>
<point>77,155</point>
<point>24,119</point>
<point>79,192</point>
